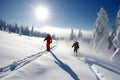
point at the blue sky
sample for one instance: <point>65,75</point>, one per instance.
<point>63,13</point>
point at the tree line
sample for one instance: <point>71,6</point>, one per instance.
<point>73,36</point>
<point>23,30</point>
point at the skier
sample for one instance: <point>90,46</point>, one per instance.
<point>48,40</point>
<point>76,47</point>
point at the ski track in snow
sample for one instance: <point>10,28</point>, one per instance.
<point>91,64</point>
<point>4,71</point>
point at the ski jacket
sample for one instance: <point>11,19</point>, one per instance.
<point>48,39</point>
<point>75,45</point>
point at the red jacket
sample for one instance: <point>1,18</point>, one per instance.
<point>49,39</point>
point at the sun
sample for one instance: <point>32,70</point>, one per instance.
<point>41,13</point>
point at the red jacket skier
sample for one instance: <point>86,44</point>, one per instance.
<point>49,40</point>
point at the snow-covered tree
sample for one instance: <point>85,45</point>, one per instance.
<point>16,27</point>
<point>20,30</point>
<point>100,33</point>
<point>115,39</point>
<point>32,32</point>
<point>2,28</point>
<point>8,27</point>
<point>72,35</point>
<point>114,33</point>
<point>54,37</point>
<point>116,43</point>
<point>79,34</point>
<point>2,25</point>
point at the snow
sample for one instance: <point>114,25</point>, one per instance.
<point>24,58</point>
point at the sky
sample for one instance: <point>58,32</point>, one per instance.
<point>79,14</point>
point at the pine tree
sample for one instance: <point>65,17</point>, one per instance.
<point>16,27</point>
<point>71,35</point>
<point>7,28</point>
<point>79,34</point>
<point>32,32</point>
<point>2,25</point>
<point>115,28</point>
<point>100,34</point>
<point>20,30</point>
<point>54,37</point>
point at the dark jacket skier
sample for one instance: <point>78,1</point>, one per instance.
<point>48,40</point>
<point>76,47</point>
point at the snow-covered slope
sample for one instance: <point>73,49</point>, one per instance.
<point>23,58</point>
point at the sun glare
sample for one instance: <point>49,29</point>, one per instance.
<point>41,13</point>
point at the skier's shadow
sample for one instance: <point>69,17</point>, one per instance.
<point>65,67</point>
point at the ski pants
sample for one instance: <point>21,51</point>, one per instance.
<point>48,46</point>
